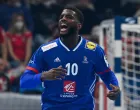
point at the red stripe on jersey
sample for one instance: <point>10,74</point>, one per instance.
<point>104,71</point>
<point>33,69</point>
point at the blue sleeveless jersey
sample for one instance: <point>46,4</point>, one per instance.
<point>83,63</point>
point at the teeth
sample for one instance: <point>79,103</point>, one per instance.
<point>63,25</point>
<point>63,29</point>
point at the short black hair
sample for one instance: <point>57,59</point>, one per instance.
<point>78,12</point>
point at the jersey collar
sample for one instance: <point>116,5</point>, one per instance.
<point>68,48</point>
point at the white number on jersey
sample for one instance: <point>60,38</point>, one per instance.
<point>72,68</point>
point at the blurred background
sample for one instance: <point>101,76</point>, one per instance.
<point>26,24</point>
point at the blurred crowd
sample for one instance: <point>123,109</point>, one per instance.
<point>26,24</point>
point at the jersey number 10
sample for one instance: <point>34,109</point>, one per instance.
<point>72,68</point>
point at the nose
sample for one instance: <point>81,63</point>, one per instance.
<point>63,18</point>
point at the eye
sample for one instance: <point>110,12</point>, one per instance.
<point>66,16</point>
<point>61,17</point>
<point>69,17</point>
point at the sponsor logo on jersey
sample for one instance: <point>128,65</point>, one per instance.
<point>57,60</point>
<point>49,46</point>
<point>90,45</point>
<point>69,89</point>
<point>69,86</point>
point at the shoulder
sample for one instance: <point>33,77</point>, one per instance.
<point>9,34</point>
<point>50,45</point>
<point>90,45</point>
<point>28,34</point>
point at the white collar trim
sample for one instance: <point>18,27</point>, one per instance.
<point>68,48</point>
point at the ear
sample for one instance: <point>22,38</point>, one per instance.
<point>79,25</point>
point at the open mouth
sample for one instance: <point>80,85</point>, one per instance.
<point>63,27</point>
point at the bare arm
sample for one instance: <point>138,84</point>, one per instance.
<point>11,50</point>
<point>4,47</point>
<point>4,51</point>
<point>28,50</point>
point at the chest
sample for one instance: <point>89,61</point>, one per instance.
<point>77,63</point>
<point>18,40</point>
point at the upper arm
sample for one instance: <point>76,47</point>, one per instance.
<point>36,62</point>
<point>2,36</point>
<point>9,44</point>
<point>28,35</point>
<point>29,42</point>
<point>101,65</point>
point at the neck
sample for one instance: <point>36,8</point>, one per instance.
<point>70,41</point>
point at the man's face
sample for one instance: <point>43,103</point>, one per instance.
<point>68,22</point>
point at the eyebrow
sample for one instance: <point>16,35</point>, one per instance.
<point>68,15</point>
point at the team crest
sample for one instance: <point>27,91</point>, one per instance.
<point>85,60</point>
<point>90,45</point>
